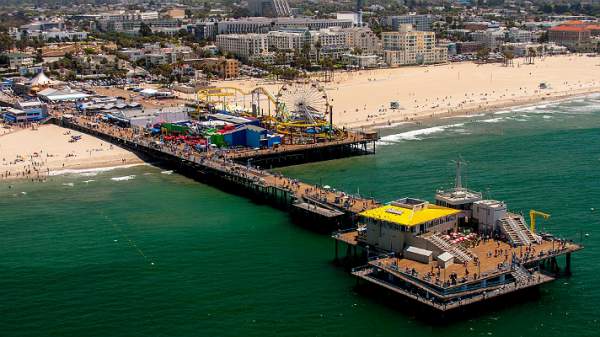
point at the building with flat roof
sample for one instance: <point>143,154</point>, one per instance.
<point>575,35</point>
<point>397,224</point>
<point>490,38</point>
<point>264,25</point>
<point>243,46</point>
<point>417,21</point>
<point>407,46</point>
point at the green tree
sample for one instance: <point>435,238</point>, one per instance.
<point>145,30</point>
<point>6,42</point>
<point>483,54</point>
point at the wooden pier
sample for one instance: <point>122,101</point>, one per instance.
<point>490,275</point>
<point>324,209</point>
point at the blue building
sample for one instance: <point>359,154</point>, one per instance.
<point>30,111</point>
<point>251,136</point>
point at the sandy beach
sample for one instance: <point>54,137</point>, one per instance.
<point>362,98</point>
<point>37,153</point>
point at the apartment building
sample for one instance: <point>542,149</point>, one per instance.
<point>408,46</point>
<point>575,35</point>
<point>243,45</point>
<point>265,25</point>
<point>363,38</point>
<point>490,38</point>
<point>418,22</point>
<point>516,35</point>
<point>286,40</point>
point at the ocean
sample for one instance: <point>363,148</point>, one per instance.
<point>144,252</point>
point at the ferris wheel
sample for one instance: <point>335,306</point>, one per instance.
<point>303,102</point>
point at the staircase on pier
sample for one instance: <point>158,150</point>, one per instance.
<point>516,230</point>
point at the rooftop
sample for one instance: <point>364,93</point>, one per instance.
<point>408,216</point>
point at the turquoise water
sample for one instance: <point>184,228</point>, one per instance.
<point>136,252</point>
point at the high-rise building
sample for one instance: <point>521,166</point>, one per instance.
<point>419,22</point>
<point>269,8</point>
<point>243,46</point>
<point>407,46</point>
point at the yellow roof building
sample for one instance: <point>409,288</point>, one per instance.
<point>409,216</point>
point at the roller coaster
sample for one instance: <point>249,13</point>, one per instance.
<point>300,110</point>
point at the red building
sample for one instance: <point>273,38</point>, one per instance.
<point>575,35</point>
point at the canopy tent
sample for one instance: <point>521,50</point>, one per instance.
<point>55,95</point>
<point>41,80</point>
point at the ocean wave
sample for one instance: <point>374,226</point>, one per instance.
<point>464,116</point>
<point>91,172</point>
<point>492,120</point>
<point>123,178</point>
<point>68,184</point>
<point>413,134</point>
<point>167,172</point>
<point>503,112</point>
<point>88,181</point>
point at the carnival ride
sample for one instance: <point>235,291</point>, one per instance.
<point>300,110</point>
<point>303,110</point>
<point>236,100</point>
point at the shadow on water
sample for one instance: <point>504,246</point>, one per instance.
<point>433,317</point>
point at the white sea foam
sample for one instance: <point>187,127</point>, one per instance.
<point>88,181</point>
<point>464,116</point>
<point>413,135</point>
<point>167,172</point>
<point>91,172</point>
<point>68,184</point>
<point>123,178</point>
<point>492,120</point>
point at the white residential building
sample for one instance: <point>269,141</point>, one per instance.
<point>408,46</point>
<point>243,46</point>
<point>517,35</point>
<point>264,25</point>
<point>285,41</point>
<point>363,38</point>
<point>491,38</point>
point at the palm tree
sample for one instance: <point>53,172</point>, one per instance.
<point>508,57</point>
<point>318,46</point>
<point>531,55</point>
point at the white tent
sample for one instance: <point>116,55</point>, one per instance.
<point>41,80</point>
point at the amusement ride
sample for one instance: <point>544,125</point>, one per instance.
<point>300,111</point>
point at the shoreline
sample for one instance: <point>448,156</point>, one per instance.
<point>362,99</point>
<point>97,165</point>
<point>47,150</point>
<point>474,112</point>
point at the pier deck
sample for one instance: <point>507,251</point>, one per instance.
<point>494,258</point>
<point>536,279</point>
<point>320,202</point>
